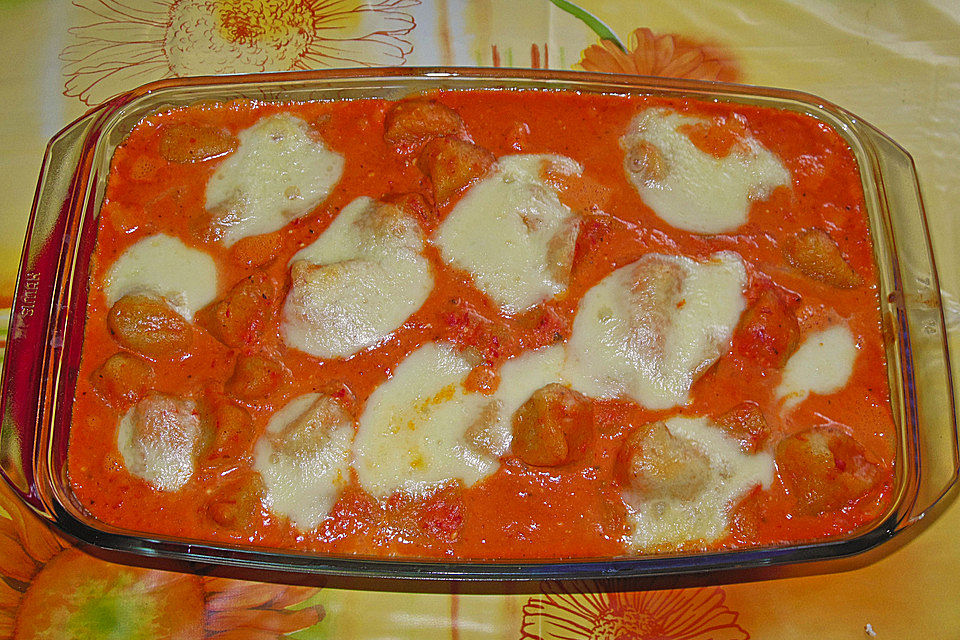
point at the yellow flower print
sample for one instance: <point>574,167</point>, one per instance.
<point>584,613</point>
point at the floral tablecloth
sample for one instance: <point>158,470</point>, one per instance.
<point>897,64</point>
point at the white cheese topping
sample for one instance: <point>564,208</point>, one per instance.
<point>519,378</point>
<point>693,190</point>
<point>649,329</point>
<point>163,266</point>
<point>160,440</point>
<point>413,433</point>
<point>421,428</point>
<point>512,233</point>
<point>304,459</point>
<point>278,173</point>
<point>823,364</point>
<point>668,521</point>
<point>361,279</point>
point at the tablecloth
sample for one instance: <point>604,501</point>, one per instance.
<point>896,64</point>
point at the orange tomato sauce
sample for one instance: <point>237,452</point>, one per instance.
<point>520,511</point>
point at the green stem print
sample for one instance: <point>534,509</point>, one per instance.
<point>592,21</point>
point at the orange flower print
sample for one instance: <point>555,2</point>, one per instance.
<point>669,55</point>
<point>50,590</point>
<point>239,610</point>
<point>691,614</point>
<point>125,43</point>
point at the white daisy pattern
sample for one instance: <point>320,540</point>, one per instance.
<point>120,44</point>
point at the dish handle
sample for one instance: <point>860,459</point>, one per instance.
<point>931,444</point>
<point>35,339</point>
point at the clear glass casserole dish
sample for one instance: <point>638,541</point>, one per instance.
<point>47,322</point>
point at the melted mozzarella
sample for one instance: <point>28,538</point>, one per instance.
<point>413,433</point>
<point>519,378</point>
<point>160,440</point>
<point>304,459</point>
<point>277,174</point>
<point>512,233</point>
<point>669,522</point>
<point>361,279</point>
<point>649,329</point>
<point>693,190</point>
<point>164,266</point>
<point>823,364</point>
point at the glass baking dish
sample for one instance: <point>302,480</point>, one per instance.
<point>44,347</point>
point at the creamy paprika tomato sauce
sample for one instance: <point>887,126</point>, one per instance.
<point>623,325</point>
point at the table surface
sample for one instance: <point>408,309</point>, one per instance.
<point>896,64</point>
